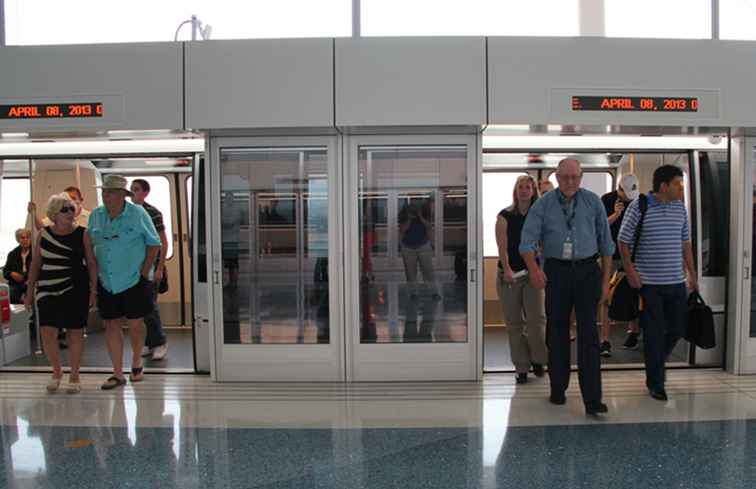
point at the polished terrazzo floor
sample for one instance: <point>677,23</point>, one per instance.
<point>187,432</point>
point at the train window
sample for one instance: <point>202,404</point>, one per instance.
<point>160,197</point>
<point>189,196</point>
<point>455,220</point>
<point>15,195</point>
<point>497,195</point>
<point>715,212</point>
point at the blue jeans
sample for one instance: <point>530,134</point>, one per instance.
<point>155,336</point>
<point>663,321</point>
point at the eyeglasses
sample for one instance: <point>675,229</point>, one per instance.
<point>66,208</point>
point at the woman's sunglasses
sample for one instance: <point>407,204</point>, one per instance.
<point>66,208</point>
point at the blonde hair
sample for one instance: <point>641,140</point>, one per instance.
<point>520,179</point>
<point>56,202</point>
<point>20,232</point>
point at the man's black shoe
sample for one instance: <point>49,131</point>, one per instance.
<point>595,408</point>
<point>538,370</point>
<point>658,394</point>
<point>522,378</point>
<point>557,399</point>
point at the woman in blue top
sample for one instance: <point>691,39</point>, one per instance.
<point>415,230</point>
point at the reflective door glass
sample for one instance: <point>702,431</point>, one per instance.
<point>413,244</point>
<point>274,236</point>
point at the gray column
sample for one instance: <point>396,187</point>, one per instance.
<point>2,23</point>
<point>592,18</point>
<point>715,19</point>
<point>356,18</point>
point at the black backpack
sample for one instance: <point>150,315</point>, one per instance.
<point>624,302</point>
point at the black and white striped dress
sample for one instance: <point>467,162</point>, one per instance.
<point>63,283</point>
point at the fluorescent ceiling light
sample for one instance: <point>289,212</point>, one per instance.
<point>542,142</point>
<point>135,134</point>
<point>103,147</point>
<point>15,134</point>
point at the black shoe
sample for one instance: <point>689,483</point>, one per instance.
<point>631,343</point>
<point>595,408</point>
<point>658,394</point>
<point>606,349</point>
<point>557,399</point>
<point>538,370</point>
<point>522,378</point>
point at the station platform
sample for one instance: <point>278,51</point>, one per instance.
<point>185,431</point>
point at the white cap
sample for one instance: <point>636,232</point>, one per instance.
<point>629,183</point>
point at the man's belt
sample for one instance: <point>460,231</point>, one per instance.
<point>579,261</point>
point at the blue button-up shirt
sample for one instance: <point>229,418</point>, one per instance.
<point>547,223</point>
<point>120,245</point>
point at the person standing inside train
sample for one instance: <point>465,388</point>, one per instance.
<point>545,186</point>
<point>82,214</point>
<point>664,255</point>
<point>126,245</point>
<point>16,269</point>
<point>615,205</point>
<point>64,272</point>
<point>516,292</point>
<point>155,345</point>
<point>571,224</point>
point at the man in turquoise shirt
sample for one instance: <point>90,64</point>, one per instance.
<point>125,245</point>
<point>572,227</point>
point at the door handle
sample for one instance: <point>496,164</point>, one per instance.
<point>472,276</point>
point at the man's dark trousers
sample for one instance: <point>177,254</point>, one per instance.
<point>578,285</point>
<point>663,321</point>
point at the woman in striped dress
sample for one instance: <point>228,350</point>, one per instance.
<point>63,272</point>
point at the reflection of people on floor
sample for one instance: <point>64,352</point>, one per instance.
<point>232,217</point>
<point>420,319</point>
<point>321,298</point>
<point>523,304</point>
<point>64,272</point>
<point>16,269</point>
<point>416,231</point>
<point>155,441</point>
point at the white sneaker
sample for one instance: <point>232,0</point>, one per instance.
<point>160,352</point>
<point>146,351</point>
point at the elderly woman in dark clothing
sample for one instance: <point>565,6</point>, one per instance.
<point>16,269</point>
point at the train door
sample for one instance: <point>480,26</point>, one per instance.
<point>744,340</point>
<point>411,269</point>
<point>276,259</point>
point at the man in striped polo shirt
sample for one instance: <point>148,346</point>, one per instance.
<point>664,255</point>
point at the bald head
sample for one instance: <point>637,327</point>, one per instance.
<point>569,175</point>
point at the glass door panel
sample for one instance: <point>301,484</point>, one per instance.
<point>411,278</point>
<point>275,238</point>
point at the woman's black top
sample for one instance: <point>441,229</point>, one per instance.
<point>515,221</point>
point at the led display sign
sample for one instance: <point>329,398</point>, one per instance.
<point>634,104</point>
<point>51,111</point>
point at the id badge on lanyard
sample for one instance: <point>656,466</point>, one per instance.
<point>567,246</point>
<point>567,249</point>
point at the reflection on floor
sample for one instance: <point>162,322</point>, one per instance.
<point>180,353</point>
<point>496,354</point>
<point>187,432</point>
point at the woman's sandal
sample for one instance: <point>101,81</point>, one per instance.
<point>73,387</point>
<point>137,374</point>
<point>112,383</point>
<point>53,384</point>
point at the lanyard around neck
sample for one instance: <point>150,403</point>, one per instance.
<point>569,217</point>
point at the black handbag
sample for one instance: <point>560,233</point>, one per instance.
<point>624,301</point>
<point>700,323</point>
<point>163,285</point>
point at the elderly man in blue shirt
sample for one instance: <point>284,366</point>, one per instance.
<point>571,225</point>
<point>125,245</point>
